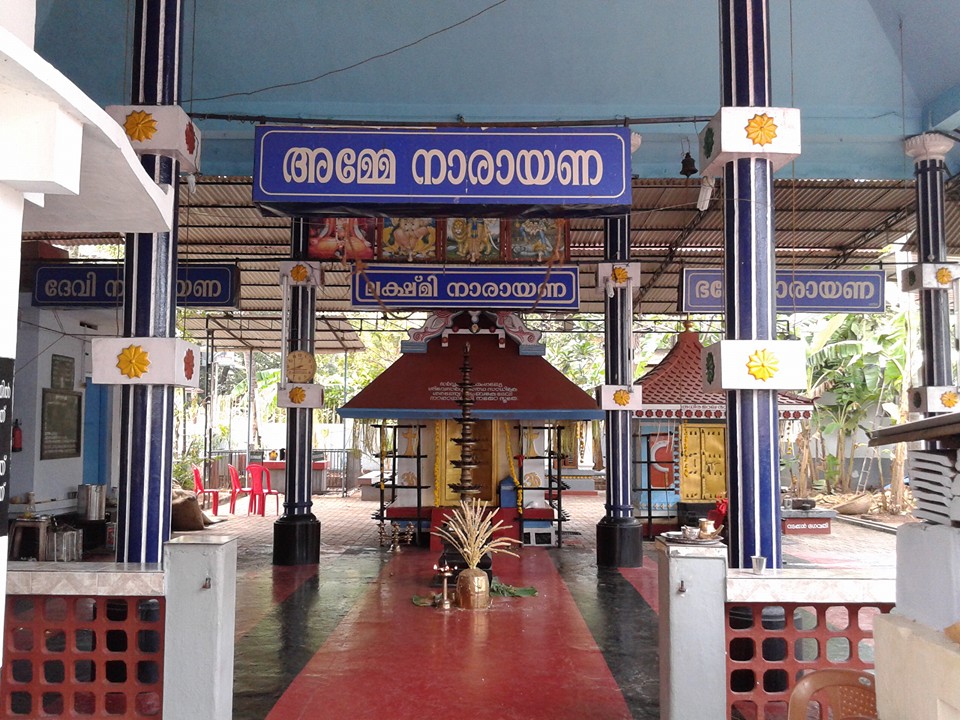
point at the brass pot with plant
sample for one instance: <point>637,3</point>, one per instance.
<point>470,530</point>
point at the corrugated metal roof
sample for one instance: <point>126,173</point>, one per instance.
<point>818,224</point>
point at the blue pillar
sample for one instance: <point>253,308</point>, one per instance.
<point>750,304</point>
<point>619,534</point>
<point>928,152</point>
<point>296,535</point>
<point>149,308</point>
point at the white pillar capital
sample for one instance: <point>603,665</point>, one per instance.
<point>928,146</point>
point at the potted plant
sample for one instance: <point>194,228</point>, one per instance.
<point>470,530</point>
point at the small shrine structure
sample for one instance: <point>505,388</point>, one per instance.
<point>521,407</point>
<point>680,436</point>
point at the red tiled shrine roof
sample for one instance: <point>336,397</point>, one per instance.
<point>674,388</point>
<point>508,385</point>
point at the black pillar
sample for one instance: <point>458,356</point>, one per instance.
<point>928,152</point>
<point>619,533</point>
<point>296,534</point>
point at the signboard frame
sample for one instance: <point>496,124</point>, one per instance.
<point>488,172</point>
<point>798,291</point>
<point>101,285</point>
<point>515,287</point>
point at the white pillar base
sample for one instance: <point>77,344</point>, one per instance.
<point>928,574</point>
<point>201,592</point>
<point>692,591</point>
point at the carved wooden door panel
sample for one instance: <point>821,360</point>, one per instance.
<point>703,459</point>
<point>714,460</point>
<point>691,472</point>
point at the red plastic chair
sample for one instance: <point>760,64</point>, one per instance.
<point>201,493</point>
<point>268,491</point>
<point>259,489</point>
<point>236,488</point>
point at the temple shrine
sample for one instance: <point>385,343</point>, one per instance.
<point>522,406</point>
<point>681,437</point>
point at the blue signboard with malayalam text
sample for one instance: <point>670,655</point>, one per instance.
<point>548,172</point>
<point>466,287</point>
<point>101,285</point>
<point>797,291</point>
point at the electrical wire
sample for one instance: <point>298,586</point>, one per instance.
<point>296,83</point>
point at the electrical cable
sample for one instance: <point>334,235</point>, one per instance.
<point>295,83</point>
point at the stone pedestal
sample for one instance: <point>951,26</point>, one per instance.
<point>201,594</point>
<point>917,670</point>
<point>692,591</point>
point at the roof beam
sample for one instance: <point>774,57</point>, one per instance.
<point>668,260</point>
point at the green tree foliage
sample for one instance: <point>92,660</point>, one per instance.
<point>856,366</point>
<point>382,349</point>
<point>578,354</point>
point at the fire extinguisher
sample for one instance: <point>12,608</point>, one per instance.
<point>16,443</point>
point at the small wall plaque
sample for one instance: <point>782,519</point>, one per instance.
<point>62,372</point>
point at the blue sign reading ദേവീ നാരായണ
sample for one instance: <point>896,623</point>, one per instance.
<point>101,285</point>
<point>560,169</point>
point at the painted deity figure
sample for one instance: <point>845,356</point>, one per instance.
<point>412,237</point>
<point>473,239</point>
<point>338,238</point>
<point>536,238</point>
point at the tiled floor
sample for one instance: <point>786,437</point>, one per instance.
<point>344,639</point>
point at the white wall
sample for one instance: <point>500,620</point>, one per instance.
<point>19,17</point>
<point>42,334</point>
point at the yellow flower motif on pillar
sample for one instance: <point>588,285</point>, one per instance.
<point>761,129</point>
<point>133,361</point>
<point>299,273</point>
<point>297,395</point>
<point>621,397</point>
<point>944,276</point>
<point>619,275</point>
<point>140,126</point>
<point>763,364</point>
<point>949,399</point>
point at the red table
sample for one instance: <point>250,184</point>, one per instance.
<point>278,474</point>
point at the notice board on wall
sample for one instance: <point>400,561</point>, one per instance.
<point>61,424</point>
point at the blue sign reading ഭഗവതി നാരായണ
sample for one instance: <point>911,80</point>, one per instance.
<point>797,291</point>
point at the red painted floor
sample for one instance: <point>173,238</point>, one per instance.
<point>644,580</point>
<point>343,639</point>
<point>523,658</point>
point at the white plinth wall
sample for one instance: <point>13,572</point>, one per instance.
<point>918,667</point>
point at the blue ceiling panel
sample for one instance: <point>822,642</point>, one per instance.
<point>864,73</point>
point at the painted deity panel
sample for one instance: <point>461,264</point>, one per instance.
<point>473,240</point>
<point>341,238</point>
<point>538,239</point>
<point>410,239</point>
<point>660,455</point>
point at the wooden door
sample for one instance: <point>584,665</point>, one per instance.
<point>703,473</point>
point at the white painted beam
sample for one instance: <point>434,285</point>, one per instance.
<point>115,192</point>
